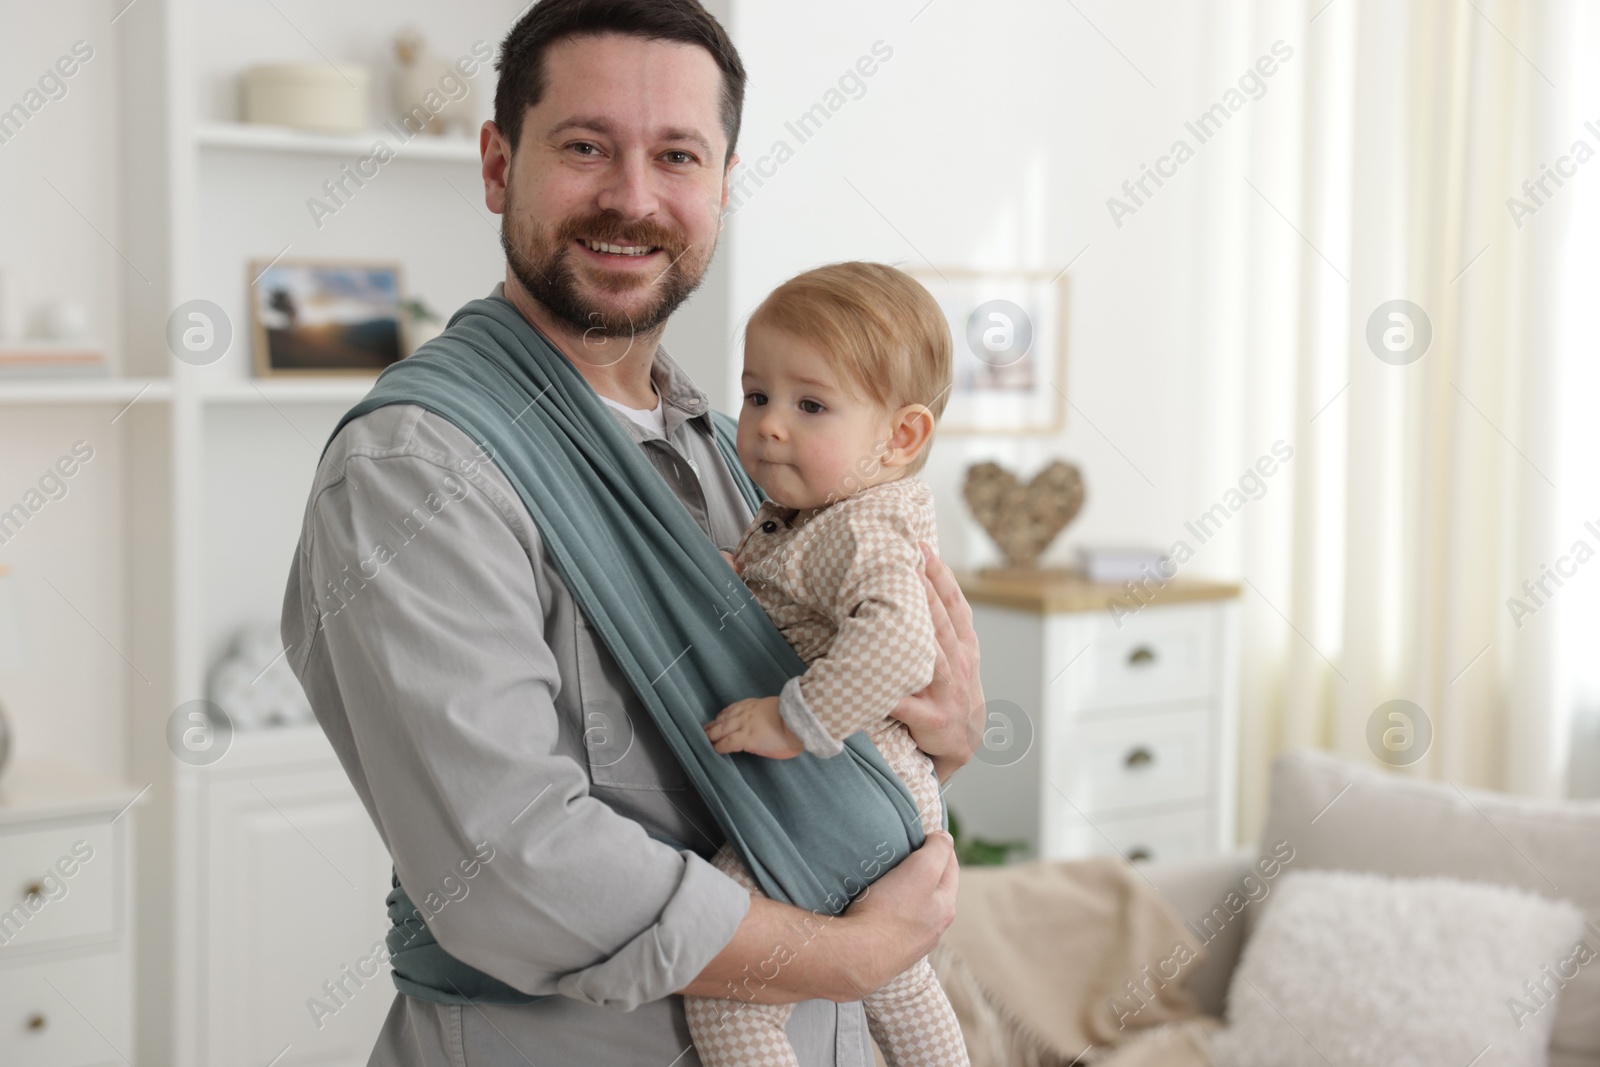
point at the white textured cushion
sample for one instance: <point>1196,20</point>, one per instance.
<point>1391,823</point>
<point>1365,969</point>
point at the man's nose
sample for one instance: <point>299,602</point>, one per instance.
<point>629,189</point>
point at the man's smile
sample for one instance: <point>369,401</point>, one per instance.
<point>619,256</point>
<point>619,250</point>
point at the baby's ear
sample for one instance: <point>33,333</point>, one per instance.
<point>909,434</point>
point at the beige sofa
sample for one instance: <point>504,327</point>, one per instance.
<point>1339,814</point>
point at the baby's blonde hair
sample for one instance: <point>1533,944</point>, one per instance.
<point>878,325</point>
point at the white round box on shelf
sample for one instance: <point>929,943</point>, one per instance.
<point>306,96</point>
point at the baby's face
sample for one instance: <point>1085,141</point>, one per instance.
<point>805,436</point>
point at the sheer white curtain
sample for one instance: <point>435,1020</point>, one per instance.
<point>1580,418</point>
<point>1423,493</point>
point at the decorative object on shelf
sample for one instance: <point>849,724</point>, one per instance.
<point>1009,330</point>
<point>254,683</point>
<point>325,318</point>
<point>306,96</point>
<point>1022,518</point>
<point>1121,564</point>
<point>422,323</point>
<point>11,649</point>
<point>423,96</point>
<point>58,319</point>
<point>46,359</point>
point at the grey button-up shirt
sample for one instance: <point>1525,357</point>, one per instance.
<point>471,704</point>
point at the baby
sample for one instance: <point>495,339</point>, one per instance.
<point>846,369</point>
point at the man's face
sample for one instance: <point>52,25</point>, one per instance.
<point>613,198</point>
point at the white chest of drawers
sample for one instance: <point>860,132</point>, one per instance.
<point>66,956</point>
<point>1105,732</point>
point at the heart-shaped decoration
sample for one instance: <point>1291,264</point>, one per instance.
<point>1024,519</point>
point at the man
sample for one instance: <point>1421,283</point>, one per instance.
<point>480,717</point>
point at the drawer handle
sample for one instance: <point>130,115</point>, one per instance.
<point>1140,854</point>
<point>37,1022</point>
<point>1142,656</point>
<point>33,889</point>
<point>1139,757</point>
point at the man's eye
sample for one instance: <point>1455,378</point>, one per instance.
<point>679,157</point>
<point>811,407</point>
<point>584,148</point>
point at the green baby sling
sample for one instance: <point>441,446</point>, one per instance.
<point>670,611</point>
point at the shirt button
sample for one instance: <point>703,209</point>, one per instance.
<point>769,526</point>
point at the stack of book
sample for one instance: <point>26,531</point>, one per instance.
<point>46,359</point>
<point>1120,564</point>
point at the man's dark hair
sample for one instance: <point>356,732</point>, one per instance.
<point>521,62</point>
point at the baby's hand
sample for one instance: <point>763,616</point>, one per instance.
<point>754,726</point>
<point>731,561</point>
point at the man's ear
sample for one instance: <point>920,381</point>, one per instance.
<point>495,152</point>
<point>727,180</point>
<point>909,434</point>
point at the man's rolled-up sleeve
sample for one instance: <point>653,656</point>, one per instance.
<point>434,633</point>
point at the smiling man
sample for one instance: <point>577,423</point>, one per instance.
<point>484,669</point>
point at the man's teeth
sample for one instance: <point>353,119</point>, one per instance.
<point>619,250</point>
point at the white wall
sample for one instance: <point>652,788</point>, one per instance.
<point>992,138</point>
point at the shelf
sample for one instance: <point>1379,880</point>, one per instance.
<point>250,138</point>
<point>289,391</point>
<point>83,390</point>
<point>47,789</point>
<point>68,391</point>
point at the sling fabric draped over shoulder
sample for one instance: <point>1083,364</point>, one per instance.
<point>672,613</point>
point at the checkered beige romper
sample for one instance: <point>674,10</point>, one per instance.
<point>843,584</point>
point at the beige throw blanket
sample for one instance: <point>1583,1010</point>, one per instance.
<point>1048,964</point>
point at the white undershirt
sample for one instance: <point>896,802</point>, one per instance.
<point>650,418</point>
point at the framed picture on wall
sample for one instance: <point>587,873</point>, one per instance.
<point>1009,330</point>
<point>311,318</point>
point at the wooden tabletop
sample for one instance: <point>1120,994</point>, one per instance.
<point>1051,591</point>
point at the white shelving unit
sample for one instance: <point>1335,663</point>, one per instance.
<point>1108,736</point>
<point>66,957</point>
<point>259,876</point>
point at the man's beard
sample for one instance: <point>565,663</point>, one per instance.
<point>542,262</point>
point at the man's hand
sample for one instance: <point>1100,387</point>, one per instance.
<point>901,916</point>
<point>754,726</point>
<point>946,718</point>
<point>800,955</point>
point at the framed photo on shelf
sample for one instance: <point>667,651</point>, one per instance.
<point>1009,330</point>
<point>321,318</point>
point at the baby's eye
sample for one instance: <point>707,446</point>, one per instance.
<point>811,407</point>
<point>755,398</point>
